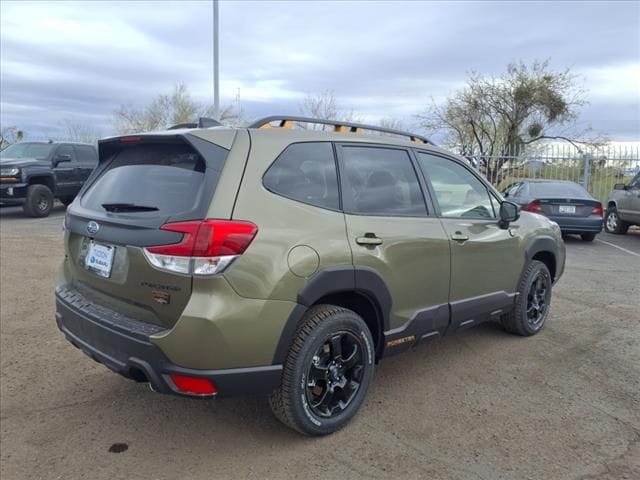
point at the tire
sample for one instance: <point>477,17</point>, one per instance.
<point>39,201</point>
<point>588,237</point>
<point>66,201</point>
<point>306,400</point>
<point>613,223</point>
<point>519,321</point>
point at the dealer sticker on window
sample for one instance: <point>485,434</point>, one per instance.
<point>99,259</point>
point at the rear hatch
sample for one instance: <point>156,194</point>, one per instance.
<point>571,207</point>
<point>141,184</point>
<point>562,199</point>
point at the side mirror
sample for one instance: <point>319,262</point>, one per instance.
<point>619,186</point>
<point>509,212</point>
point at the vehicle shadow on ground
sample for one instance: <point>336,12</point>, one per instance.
<point>16,212</point>
<point>137,409</point>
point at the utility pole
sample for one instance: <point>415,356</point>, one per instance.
<point>216,63</point>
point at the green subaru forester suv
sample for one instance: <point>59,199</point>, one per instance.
<point>287,261</point>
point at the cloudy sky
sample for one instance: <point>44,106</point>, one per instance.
<point>79,61</point>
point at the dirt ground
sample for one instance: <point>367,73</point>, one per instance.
<point>480,405</point>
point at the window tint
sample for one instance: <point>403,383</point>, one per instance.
<point>27,150</point>
<point>458,191</point>
<point>380,181</point>
<point>305,172</point>
<point>168,177</point>
<point>66,150</point>
<point>557,189</point>
<point>513,190</point>
<point>86,154</point>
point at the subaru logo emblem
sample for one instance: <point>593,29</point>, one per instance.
<point>92,228</point>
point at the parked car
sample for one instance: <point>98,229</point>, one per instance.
<point>566,203</point>
<point>287,262</point>
<point>623,207</point>
<point>33,174</point>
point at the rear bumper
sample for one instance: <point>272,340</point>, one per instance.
<point>122,344</point>
<point>578,225</point>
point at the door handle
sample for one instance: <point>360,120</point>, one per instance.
<point>369,239</point>
<point>459,237</point>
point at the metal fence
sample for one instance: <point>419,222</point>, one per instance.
<point>597,169</point>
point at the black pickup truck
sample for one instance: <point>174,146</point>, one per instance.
<point>33,174</point>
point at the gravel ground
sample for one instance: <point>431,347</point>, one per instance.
<point>480,405</point>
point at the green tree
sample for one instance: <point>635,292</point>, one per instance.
<point>500,116</point>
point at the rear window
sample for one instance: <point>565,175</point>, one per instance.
<point>556,189</point>
<point>165,178</point>
<point>305,172</point>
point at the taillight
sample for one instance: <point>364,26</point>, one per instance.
<point>598,210</point>
<point>207,247</point>
<point>193,385</point>
<point>534,207</point>
<point>131,139</point>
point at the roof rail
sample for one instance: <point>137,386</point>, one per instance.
<point>203,122</point>
<point>286,121</point>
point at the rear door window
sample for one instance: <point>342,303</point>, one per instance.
<point>305,172</point>
<point>162,178</point>
<point>380,181</point>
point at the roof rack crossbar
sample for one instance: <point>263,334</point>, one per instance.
<point>285,121</point>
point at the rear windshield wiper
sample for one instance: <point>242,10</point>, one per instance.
<point>127,207</point>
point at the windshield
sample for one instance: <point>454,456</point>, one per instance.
<point>557,189</point>
<point>27,150</point>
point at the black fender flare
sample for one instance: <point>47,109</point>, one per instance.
<point>333,280</point>
<point>537,245</point>
<point>35,173</point>
<point>541,244</point>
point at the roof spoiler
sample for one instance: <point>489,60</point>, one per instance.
<point>338,126</point>
<point>203,122</point>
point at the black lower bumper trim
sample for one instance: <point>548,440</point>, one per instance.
<point>132,355</point>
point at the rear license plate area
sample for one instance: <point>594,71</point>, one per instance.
<point>566,209</point>
<point>99,259</point>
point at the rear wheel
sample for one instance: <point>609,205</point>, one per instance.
<point>327,372</point>
<point>39,201</point>
<point>588,237</point>
<point>533,302</point>
<point>613,223</point>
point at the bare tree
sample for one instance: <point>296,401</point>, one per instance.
<point>10,135</point>
<point>76,131</point>
<point>171,109</point>
<point>392,123</point>
<point>324,106</point>
<point>501,116</point>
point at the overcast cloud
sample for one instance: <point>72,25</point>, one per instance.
<point>81,60</point>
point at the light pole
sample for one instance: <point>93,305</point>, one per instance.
<point>216,62</point>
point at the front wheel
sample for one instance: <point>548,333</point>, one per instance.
<point>327,372</point>
<point>39,201</point>
<point>533,301</point>
<point>613,223</point>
